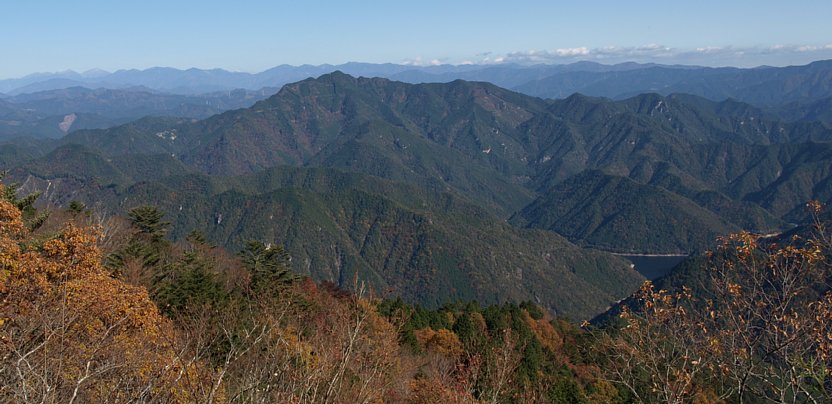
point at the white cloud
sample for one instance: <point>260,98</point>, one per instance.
<point>418,61</point>
<point>656,53</point>
<point>706,55</point>
<point>810,48</point>
<point>572,51</point>
<point>565,55</point>
<point>706,49</point>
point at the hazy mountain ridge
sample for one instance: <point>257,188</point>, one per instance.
<point>770,86</point>
<point>53,113</point>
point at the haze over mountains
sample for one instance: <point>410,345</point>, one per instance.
<point>763,86</point>
<point>54,113</point>
<point>448,190</point>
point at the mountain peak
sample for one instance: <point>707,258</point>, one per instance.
<point>337,76</point>
<point>95,73</point>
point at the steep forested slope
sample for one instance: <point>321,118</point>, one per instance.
<point>601,210</point>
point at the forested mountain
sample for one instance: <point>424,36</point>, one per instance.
<point>50,105</point>
<point>500,148</point>
<point>820,110</point>
<point>409,185</point>
<point>601,210</point>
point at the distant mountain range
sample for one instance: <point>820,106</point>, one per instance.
<point>54,113</point>
<point>762,86</point>
<point>198,81</point>
<point>459,190</point>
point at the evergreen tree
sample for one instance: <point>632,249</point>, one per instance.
<point>31,218</point>
<point>269,266</point>
<point>188,282</point>
<point>77,207</point>
<point>471,337</point>
<point>148,221</point>
<point>147,242</point>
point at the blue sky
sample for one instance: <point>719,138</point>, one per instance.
<point>48,36</point>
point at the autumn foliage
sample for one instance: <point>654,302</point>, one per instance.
<point>147,320</point>
<point>758,328</point>
<point>70,332</point>
<point>191,323</point>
